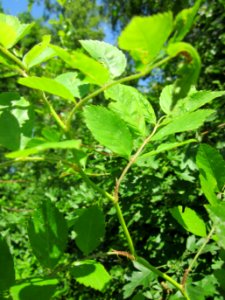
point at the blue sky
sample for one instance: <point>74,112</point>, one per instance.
<point>14,7</point>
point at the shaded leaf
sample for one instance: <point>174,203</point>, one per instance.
<point>90,229</point>
<point>144,37</point>
<point>47,85</point>
<point>109,129</point>
<point>35,289</point>
<point>9,138</point>
<point>189,220</point>
<point>111,57</point>
<point>217,215</point>
<point>185,122</point>
<point>91,274</point>
<point>47,231</point>
<point>70,144</point>
<point>7,272</point>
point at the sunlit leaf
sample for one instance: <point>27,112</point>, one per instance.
<point>217,215</point>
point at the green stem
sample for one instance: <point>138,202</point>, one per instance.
<point>10,56</point>
<point>163,275</point>
<point>122,80</point>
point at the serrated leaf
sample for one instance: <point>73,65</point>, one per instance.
<point>47,85</point>
<point>7,272</point>
<point>91,274</point>
<point>144,37</point>
<point>195,100</point>
<point>212,171</point>
<point>11,30</point>
<point>35,289</point>
<point>69,144</point>
<point>184,20</point>
<point>189,71</point>
<point>38,54</point>
<point>72,82</point>
<point>111,57</point>
<point>90,229</point>
<point>109,129</point>
<point>185,122</point>
<point>47,231</point>
<point>189,220</point>
<point>141,278</point>
<point>131,106</point>
<point>9,138</point>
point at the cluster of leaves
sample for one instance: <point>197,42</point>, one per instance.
<point>123,129</point>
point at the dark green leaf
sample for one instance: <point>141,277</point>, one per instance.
<point>109,129</point>
<point>91,274</point>
<point>9,138</point>
<point>90,229</point>
<point>48,234</point>
<point>7,272</point>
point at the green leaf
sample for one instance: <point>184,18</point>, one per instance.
<point>111,57</point>
<point>189,71</point>
<point>164,147</point>
<point>195,292</point>
<point>7,272</point>
<point>141,278</point>
<point>166,98</point>
<point>144,37</point>
<point>184,20</point>
<point>70,144</point>
<point>212,171</point>
<point>194,101</point>
<point>217,215</point>
<point>9,138</point>
<point>72,82</point>
<point>186,122</point>
<point>47,231</point>
<point>131,106</point>
<point>11,30</point>
<point>47,85</point>
<point>189,220</point>
<point>39,53</point>
<point>90,229</point>
<point>96,73</point>
<point>35,289</point>
<point>108,129</point>
<point>91,274</point>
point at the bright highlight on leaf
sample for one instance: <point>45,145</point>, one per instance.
<point>91,274</point>
<point>111,57</point>
<point>144,37</point>
<point>109,129</point>
<point>189,220</point>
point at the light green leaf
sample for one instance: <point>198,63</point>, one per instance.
<point>195,100</point>
<point>11,30</point>
<point>212,171</point>
<point>7,272</point>
<point>164,147</point>
<point>72,82</point>
<point>166,98</point>
<point>189,71</point>
<point>189,220</point>
<point>47,85</point>
<point>111,57</point>
<point>9,138</point>
<point>132,107</point>
<point>184,20</point>
<point>70,144</point>
<point>186,122</point>
<point>144,37</point>
<point>217,215</point>
<point>90,229</point>
<point>109,129</point>
<point>91,274</point>
<point>35,289</point>
<point>141,278</point>
<point>39,53</point>
<point>47,231</point>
